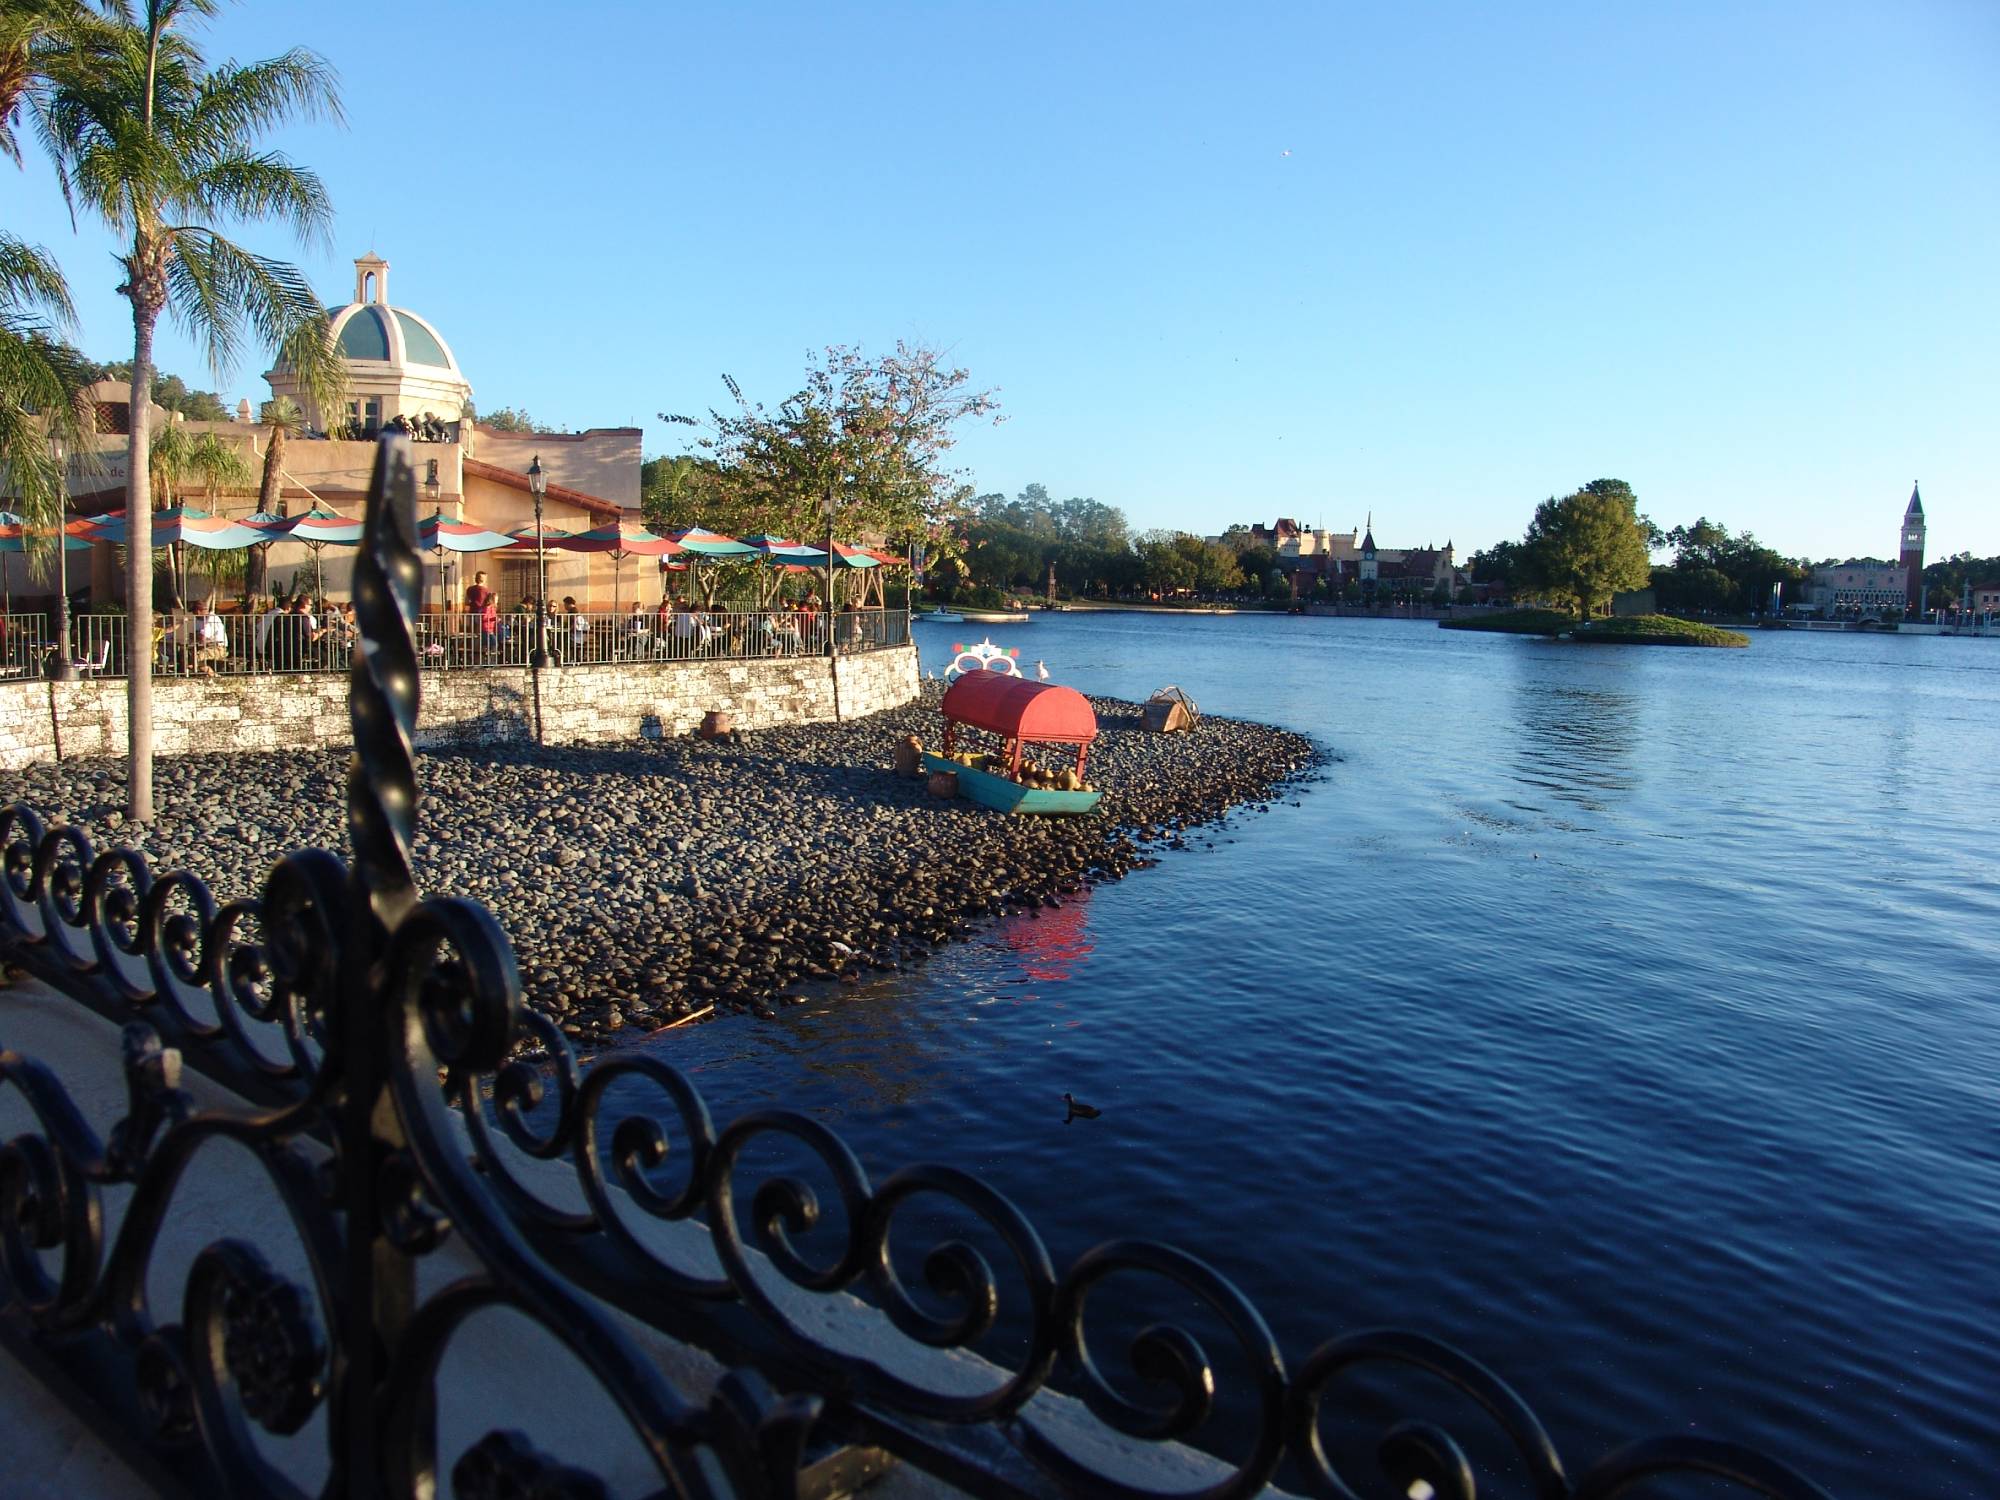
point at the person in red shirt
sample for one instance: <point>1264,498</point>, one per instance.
<point>478,596</point>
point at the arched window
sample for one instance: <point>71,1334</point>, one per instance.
<point>368,287</point>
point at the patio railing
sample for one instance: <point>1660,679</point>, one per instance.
<point>255,644</point>
<point>24,644</point>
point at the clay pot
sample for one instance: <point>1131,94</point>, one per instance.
<point>943,784</point>
<point>907,755</point>
<point>714,724</point>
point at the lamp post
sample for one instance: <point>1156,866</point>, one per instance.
<point>60,668</point>
<point>830,614</point>
<point>538,486</point>
<point>432,489</point>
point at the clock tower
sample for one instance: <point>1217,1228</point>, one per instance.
<point>1912,556</point>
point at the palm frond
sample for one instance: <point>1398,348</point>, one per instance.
<point>235,102</point>
<point>256,187</point>
<point>216,290</point>
<point>31,282</point>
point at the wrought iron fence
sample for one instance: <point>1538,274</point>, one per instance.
<point>199,643</point>
<point>338,999</point>
<point>24,644</point>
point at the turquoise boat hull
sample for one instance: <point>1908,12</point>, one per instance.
<point>1002,795</point>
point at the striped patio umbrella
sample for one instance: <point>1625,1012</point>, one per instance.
<point>180,524</point>
<point>436,534</point>
<point>698,545</point>
<point>844,556</point>
<point>621,541</point>
<point>319,528</point>
<point>778,548</point>
<point>783,554</point>
<point>705,543</point>
<point>14,538</point>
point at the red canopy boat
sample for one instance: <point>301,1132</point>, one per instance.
<point>1019,712</point>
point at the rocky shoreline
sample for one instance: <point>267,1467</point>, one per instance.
<point>643,883</point>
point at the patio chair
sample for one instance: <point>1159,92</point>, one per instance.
<point>89,668</point>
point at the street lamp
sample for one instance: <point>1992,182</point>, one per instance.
<point>432,489</point>
<point>538,486</point>
<point>60,668</point>
<point>831,505</point>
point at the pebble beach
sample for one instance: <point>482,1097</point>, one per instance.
<point>644,883</point>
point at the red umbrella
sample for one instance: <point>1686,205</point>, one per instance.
<point>621,541</point>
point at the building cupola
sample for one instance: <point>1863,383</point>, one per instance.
<point>371,279</point>
<point>398,364</point>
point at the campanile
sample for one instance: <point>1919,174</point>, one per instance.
<point>1912,556</point>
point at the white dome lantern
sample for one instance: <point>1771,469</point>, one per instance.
<point>398,364</point>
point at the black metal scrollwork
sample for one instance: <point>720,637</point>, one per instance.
<point>335,999</point>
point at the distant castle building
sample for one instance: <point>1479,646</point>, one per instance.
<point>1870,586</point>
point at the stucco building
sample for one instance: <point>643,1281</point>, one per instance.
<point>399,365</point>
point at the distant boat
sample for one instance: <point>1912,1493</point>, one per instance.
<point>996,616</point>
<point>939,617</point>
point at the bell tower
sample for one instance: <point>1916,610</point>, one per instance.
<point>371,279</point>
<point>1912,555</point>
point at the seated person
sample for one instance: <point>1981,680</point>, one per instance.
<point>209,638</point>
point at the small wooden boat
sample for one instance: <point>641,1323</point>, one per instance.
<point>1020,714</point>
<point>997,792</point>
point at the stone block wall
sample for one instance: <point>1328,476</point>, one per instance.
<point>42,721</point>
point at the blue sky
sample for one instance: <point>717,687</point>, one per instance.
<point>1742,256</point>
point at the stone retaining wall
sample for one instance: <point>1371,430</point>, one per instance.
<point>42,721</point>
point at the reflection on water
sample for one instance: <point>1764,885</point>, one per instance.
<point>1624,1016</point>
<point>1575,742</point>
<point>1054,943</point>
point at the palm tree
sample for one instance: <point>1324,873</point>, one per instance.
<point>282,419</point>
<point>163,148</point>
<point>41,390</point>
<point>30,32</point>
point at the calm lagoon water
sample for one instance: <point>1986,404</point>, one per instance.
<point>1630,1018</point>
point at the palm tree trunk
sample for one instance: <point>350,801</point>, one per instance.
<point>139,573</point>
<point>274,463</point>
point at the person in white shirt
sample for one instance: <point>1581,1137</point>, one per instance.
<point>210,638</point>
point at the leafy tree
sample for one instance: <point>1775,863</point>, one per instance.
<point>861,446</point>
<point>1587,546</point>
<point>164,149</point>
<point>172,393</point>
<point>510,419</point>
<point>1499,564</point>
<point>1253,559</point>
<point>1165,568</point>
<point>1715,571</point>
<point>1175,561</point>
<point>1945,580</point>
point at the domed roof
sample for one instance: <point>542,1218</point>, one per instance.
<point>368,328</point>
<point>394,335</point>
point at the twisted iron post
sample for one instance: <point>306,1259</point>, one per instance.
<point>383,691</point>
